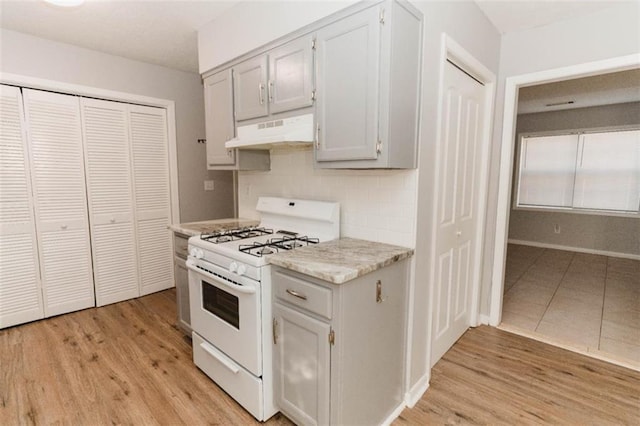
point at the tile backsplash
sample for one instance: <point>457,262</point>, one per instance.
<point>376,205</point>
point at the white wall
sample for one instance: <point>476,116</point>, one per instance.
<point>375,205</point>
<point>374,202</point>
<point>36,57</point>
<point>609,33</point>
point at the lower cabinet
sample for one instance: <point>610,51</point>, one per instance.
<point>339,349</point>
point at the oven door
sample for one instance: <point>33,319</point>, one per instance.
<point>225,310</point>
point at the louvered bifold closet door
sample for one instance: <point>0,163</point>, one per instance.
<point>20,293</point>
<point>57,170</point>
<point>110,196</point>
<point>149,149</point>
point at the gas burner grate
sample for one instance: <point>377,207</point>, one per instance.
<point>235,234</point>
<point>274,245</point>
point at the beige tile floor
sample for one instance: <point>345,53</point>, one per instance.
<point>586,301</point>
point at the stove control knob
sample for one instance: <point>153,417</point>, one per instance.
<point>242,269</point>
<point>196,252</point>
<point>233,267</point>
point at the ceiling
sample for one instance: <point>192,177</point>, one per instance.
<point>165,33</point>
<point>153,31</point>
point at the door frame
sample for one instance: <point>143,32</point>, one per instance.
<point>112,95</point>
<point>512,85</point>
<point>453,52</point>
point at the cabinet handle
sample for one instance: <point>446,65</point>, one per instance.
<point>261,93</point>
<point>270,90</point>
<point>296,294</point>
<point>317,135</point>
<point>275,331</point>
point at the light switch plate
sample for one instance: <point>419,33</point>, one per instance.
<point>208,185</point>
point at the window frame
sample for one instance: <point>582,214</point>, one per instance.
<point>573,210</point>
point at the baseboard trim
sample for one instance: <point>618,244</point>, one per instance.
<point>576,249</point>
<point>412,397</point>
<point>394,414</point>
<point>484,319</point>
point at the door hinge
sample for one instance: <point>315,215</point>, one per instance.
<point>313,95</point>
<point>317,135</point>
<point>332,338</point>
<point>313,44</point>
<point>275,331</point>
<point>379,148</point>
<point>382,16</point>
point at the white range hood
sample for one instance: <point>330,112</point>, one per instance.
<point>267,134</point>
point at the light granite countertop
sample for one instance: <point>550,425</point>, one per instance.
<point>208,226</point>
<point>341,260</point>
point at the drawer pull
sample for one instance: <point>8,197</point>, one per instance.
<point>296,294</point>
<point>218,358</point>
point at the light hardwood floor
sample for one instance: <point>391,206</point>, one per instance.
<point>128,364</point>
<point>584,301</point>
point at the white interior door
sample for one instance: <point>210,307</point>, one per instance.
<point>110,196</point>
<point>456,225</point>
<point>62,223</point>
<point>149,155</point>
<point>20,292</point>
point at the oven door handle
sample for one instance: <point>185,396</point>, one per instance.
<point>220,279</point>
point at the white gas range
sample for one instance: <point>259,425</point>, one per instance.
<point>230,295</point>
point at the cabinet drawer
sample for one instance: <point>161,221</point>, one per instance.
<point>312,297</point>
<point>180,245</point>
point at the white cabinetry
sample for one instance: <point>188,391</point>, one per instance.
<point>339,349</point>
<point>368,75</point>
<point>20,288</point>
<point>279,81</point>
<point>218,109</point>
<point>57,167</point>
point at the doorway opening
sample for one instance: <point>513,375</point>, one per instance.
<point>534,282</point>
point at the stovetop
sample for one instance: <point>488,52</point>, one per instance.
<point>285,224</point>
<point>277,244</point>
<point>235,234</point>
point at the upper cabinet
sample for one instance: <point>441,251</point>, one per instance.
<point>358,71</point>
<point>218,108</point>
<point>368,83</point>
<point>278,81</point>
<point>290,83</point>
<point>250,87</point>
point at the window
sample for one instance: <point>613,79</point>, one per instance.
<point>590,171</point>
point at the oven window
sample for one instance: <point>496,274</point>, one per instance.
<point>221,304</point>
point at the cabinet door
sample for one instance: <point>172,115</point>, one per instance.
<point>301,366</point>
<point>348,69</point>
<point>57,168</point>
<point>250,88</point>
<point>149,155</point>
<point>290,76</point>
<point>218,108</point>
<point>110,199</point>
<point>20,292</point>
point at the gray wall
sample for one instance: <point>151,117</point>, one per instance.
<point>609,33</point>
<point>585,231</point>
<point>36,57</point>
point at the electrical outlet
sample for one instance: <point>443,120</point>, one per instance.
<point>208,185</point>
<point>556,228</point>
